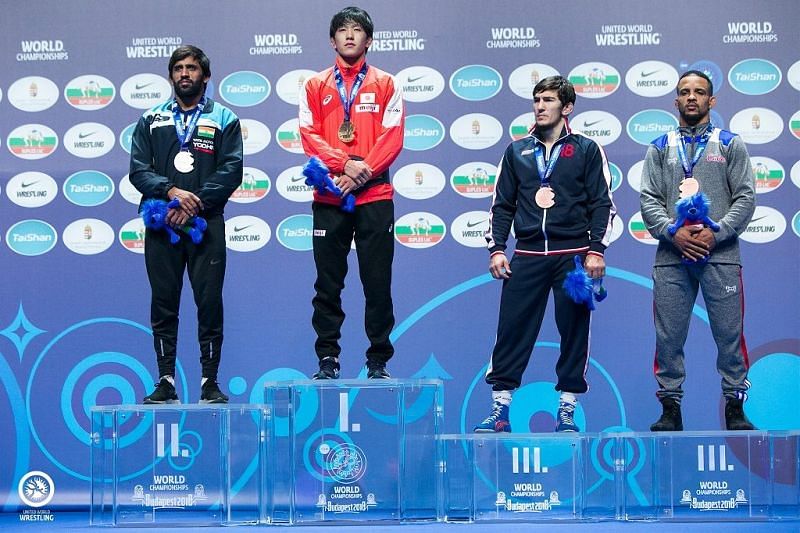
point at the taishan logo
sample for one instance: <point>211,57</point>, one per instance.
<point>647,125</point>
<point>88,188</point>
<point>594,80</point>
<point>32,141</point>
<point>419,230</point>
<point>476,82</point>
<point>255,186</point>
<point>422,132</point>
<point>244,88</point>
<point>616,176</point>
<point>754,76</point>
<point>769,174</point>
<point>89,92</point>
<point>295,233</point>
<point>31,237</point>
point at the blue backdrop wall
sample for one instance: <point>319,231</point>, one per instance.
<point>74,299</point>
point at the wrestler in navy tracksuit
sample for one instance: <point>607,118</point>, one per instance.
<point>216,145</point>
<point>579,223</point>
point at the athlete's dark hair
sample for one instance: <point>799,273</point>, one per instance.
<point>182,52</point>
<point>699,74</point>
<point>560,84</point>
<point>352,14</point>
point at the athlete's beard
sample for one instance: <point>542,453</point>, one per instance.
<point>189,93</point>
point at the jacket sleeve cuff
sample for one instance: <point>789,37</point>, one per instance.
<point>494,250</point>
<point>595,248</point>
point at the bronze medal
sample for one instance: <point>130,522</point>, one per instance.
<point>689,187</point>
<point>545,197</point>
<point>347,132</point>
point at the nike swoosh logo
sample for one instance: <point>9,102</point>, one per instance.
<point>237,229</point>
<point>473,224</point>
<point>295,180</point>
<point>84,135</point>
<point>412,80</point>
<point>590,124</point>
<point>140,87</point>
<point>757,219</point>
<point>648,74</point>
<point>26,185</point>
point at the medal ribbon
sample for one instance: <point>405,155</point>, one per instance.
<point>184,133</point>
<point>688,167</point>
<point>546,170</point>
<point>347,101</point>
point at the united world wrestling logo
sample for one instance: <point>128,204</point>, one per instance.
<point>36,489</point>
<point>346,463</point>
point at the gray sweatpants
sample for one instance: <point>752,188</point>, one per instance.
<point>674,292</point>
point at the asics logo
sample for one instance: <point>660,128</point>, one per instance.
<point>327,99</point>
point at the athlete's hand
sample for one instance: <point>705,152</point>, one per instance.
<point>358,171</point>
<point>190,202</point>
<point>595,266</point>
<point>691,247</point>
<point>499,266</point>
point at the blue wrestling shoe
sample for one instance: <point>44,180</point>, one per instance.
<point>565,418</point>
<point>497,422</point>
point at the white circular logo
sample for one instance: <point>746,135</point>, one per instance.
<point>476,131</point>
<point>766,225</point>
<point>88,236</point>
<point>32,141</point>
<point>128,191</point>
<point>89,140</point>
<point>143,91</point>
<point>246,233</point>
<point>288,136</point>
<point>419,230</point>
<point>131,235</point>
<point>757,125</point>
<point>634,176</point>
<point>638,230</point>
<point>525,77</point>
<point>617,228</point>
<point>795,174</point>
<point>418,181</point>
<point>595,79</point>
<point>521,126</point>
<point>291,184</point>
<point>420,83</point>
<point>89,92</point>
<point>289,85</point>
<point>651,78</point>
<point>474,180</point>
<point>31,189</point>
<point>33,93</point>
<point>255,136</point>
<point>769,174</point>
<point>793,75</point>
<point>468,229</point>
<point>346,463</point>
<point>255,186</point>
<point>602,127</point>
<point>36,489</point>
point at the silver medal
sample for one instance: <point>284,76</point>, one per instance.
<point>184,162</point>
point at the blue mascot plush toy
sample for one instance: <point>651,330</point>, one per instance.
<point>154,214</point>
<point>583,289</point>
<point>692,210</point>
<point>318,176</point>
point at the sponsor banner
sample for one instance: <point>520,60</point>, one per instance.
<point>634,176</point>
<point>627,35</point>
<point>476,82</point>
<point>244,88</point>
<point>289,85</point>
<point>31,189</point>
<point>131,235</point>
<point>750,32</point>
<point>33,93</point>
<point>604,128</point>
<point>474,180</point>
<point>468,229</point>
<point>42,50</point>
<point>794,125</point>
<point>126,137</point>
<point>88,188</point>
<point>646,126</point>
<point>401,40</point>
<point>419,230</point>
<point>638,230</point>
<point>246,233</point>
<point>617,228</point>
<point>594,80</point>
<point>757,125</point>
<point>295,232</point>
<point>291,184</point>
<point>796,223</point>
<point>525,77</point>
<point>31,237</point>
<point>710,69</point>
<point>149,47</point>
<point>616,176</point>
<point>754,76</point>
<point>89,140</point>
<point>128,191</point>
<point>769,174</point>
<point>288,136</point>
<point>32,141</point>
<point>503,38</point>
<point>255,186</point>
<point>795,174</point>
<point>144,91</point>
<point>418,181</point>
<point>273,44</point>
<point>521,126</point>
<point>89,92</point>
<point>420,83</point>
<point>255,136</point>
<point>422,132</point>
<point>766,225</point>
<point>476,131</point>
<point>651,78</point>
<point>88,236</point>
<point>793,75</point>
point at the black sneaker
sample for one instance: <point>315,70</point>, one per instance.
<point>735,419</point>
<point>376,370</point>
<point>210,393</point>
<point>164,393</point>
<point>328,369</point>
<point>671,419</point>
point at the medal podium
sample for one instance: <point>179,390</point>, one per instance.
<point>353,450</point>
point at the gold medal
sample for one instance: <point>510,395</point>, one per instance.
<point>689,187</point>
<point>347,132</point>
<point>545,197</point>
<point>184,162</point>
